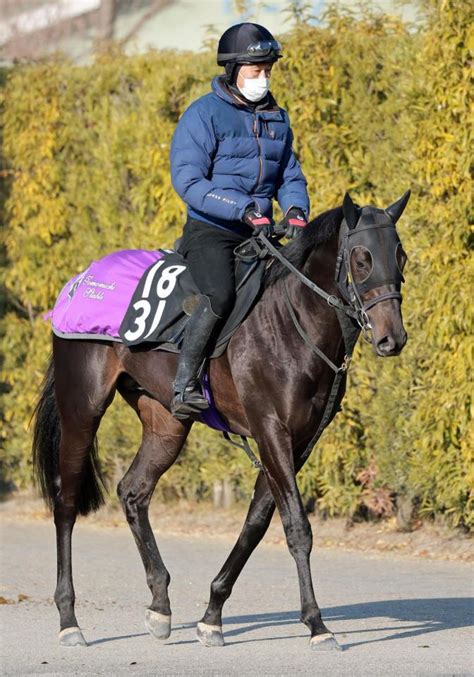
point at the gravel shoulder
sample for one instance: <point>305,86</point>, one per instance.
<point>427,541</point>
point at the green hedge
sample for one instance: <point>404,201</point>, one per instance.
<point>376,109</point>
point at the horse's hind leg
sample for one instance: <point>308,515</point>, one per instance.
<point>77,438</point>
<point>162,440</point>
<point>85,376</point>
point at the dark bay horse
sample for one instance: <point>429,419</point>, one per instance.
<point>271,385</point>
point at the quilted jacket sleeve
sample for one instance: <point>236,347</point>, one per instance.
<point>192,151</point>
<point>291,189</point>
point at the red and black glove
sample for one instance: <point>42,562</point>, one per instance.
<point>259,223</point>
<point>293,222</point>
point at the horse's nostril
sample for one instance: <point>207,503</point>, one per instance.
<point>386,344</point>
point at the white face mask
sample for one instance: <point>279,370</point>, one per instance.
<point>255,89</point>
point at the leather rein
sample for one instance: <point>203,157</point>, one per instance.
<point>355,310</point>
<point>352,318</point>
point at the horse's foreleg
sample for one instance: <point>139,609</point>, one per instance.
<point>262,506</point>
<point>261,509</point>
<point>163,439</point>
<point>277,457</point>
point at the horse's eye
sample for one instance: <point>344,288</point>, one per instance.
<point>361,263</point>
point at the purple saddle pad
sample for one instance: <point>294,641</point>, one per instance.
<point>93,304</point>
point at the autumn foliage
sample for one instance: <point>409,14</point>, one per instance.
<point>376,107</point>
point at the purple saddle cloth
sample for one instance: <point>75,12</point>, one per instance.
<point>93,304</point>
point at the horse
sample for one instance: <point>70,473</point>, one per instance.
<point>272,384</point>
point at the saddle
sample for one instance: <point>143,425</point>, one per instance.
<point>166,296</point>
<point>144,298</point>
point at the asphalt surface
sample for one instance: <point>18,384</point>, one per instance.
<point>392,615</point>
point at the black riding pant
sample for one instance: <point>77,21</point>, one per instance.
<point>209,252</point>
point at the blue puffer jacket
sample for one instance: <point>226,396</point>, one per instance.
<point>225,157</point>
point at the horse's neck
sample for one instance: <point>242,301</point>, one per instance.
<point>320,266</point>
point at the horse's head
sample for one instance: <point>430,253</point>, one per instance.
<point>370,271</point>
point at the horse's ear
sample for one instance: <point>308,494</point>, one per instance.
<point>396,210</point>
<point>350,211</point>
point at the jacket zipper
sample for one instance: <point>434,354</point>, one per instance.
<point>255,131</point>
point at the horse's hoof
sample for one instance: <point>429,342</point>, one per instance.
<point>158,625</point>
<point>325,642</point>
<point>72,637</point>
<point>210,635</point>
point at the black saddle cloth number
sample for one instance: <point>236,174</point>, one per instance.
<point>149,308</point>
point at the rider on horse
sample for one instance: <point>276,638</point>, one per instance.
<point>231,154</point>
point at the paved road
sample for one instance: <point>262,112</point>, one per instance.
<point>393,616</point>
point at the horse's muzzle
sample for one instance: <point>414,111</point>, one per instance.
<point>390,345</point>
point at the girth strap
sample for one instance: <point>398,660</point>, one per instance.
<point>246,447</point>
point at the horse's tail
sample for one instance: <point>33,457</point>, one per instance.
<point>46,440</point>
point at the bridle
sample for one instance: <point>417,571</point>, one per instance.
<point>361,235</point>
<point>353,306</point>
<point>351,310</point>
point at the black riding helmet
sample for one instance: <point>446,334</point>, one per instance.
<point>246,43</point>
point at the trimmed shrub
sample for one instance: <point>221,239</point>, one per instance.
<point>376,108</point>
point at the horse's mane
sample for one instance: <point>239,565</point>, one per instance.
<point>319,230</point>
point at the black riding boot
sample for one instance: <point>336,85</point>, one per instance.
<point>188,396</point>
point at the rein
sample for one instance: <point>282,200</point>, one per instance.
<point>330,299</point>
<point>356,309</point>
<point>350,332</point>
<point>346,313</point>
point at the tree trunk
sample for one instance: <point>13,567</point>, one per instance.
<point>106,19</point>
<point>222,494</point>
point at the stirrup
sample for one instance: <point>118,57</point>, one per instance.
<point>189,401</point>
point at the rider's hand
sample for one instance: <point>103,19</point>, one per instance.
<point>259,223</point>
<point>293,222</point>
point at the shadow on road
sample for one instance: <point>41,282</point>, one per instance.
<point>424,615</point>
<point>103,640</point>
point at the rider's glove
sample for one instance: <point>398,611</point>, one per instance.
<point>293,222</point>
<point>259,223</point>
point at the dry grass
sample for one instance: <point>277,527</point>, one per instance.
<point>429,541</point>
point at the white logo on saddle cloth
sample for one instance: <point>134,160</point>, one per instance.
<point>165,284</point>
<point>73,288</point>
<point>90,282</point>
<point>94,289</point>
<point>90,293</point>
